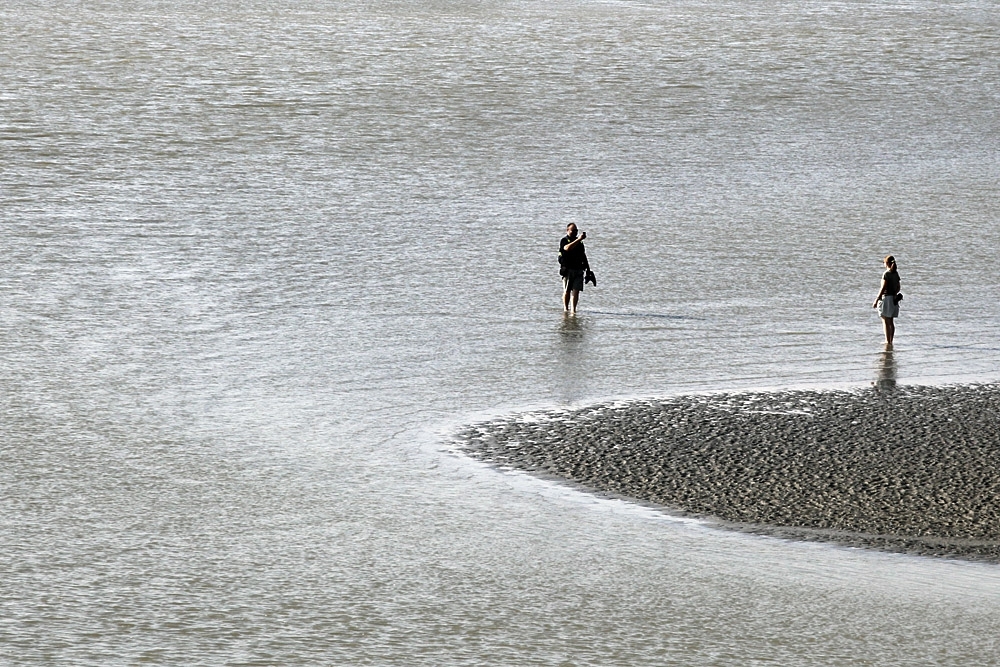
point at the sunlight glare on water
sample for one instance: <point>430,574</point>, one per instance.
<point>261,259</point>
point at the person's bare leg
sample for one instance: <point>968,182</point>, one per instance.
<point>566,299</point>
<point>889,327</point>
<point>576,299</point>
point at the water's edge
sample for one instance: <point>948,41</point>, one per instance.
<point>903,469</point>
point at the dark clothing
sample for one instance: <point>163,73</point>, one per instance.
<point>891,279</point>
<point>575,258</point>
<point>573,280</point>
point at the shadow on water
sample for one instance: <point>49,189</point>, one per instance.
<point>977,348</point>
<point>885,369</point>
<point>660,316</point>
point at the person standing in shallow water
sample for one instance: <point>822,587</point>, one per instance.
<point>887,301</point>
<point>573,266</point>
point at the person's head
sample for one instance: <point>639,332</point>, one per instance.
<point>890,262</point>
<point>571,230</point>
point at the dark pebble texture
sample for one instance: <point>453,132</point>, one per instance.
<point>909,469</point>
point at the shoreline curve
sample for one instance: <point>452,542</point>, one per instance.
<point>911,469</point>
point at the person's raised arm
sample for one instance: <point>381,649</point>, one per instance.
<point>572,243</point>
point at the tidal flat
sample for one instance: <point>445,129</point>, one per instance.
<point>912,469</point>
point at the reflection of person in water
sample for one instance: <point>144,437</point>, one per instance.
<point>574,364</point>
<point>573,266</point>
<point>887,301</point>
<point>886,378</point>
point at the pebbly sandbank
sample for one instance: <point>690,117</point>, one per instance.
<point>910,469</point>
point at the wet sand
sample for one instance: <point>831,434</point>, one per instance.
<point>908,469</point>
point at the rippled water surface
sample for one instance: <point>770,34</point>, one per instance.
<point>261,259</point>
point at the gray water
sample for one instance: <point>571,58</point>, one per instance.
<point>262,259</point>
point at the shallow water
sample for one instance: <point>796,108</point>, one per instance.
<point>262,260</point>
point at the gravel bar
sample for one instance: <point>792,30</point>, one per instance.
<point>908,469</point>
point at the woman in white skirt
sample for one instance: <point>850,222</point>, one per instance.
<point>887,301</point>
